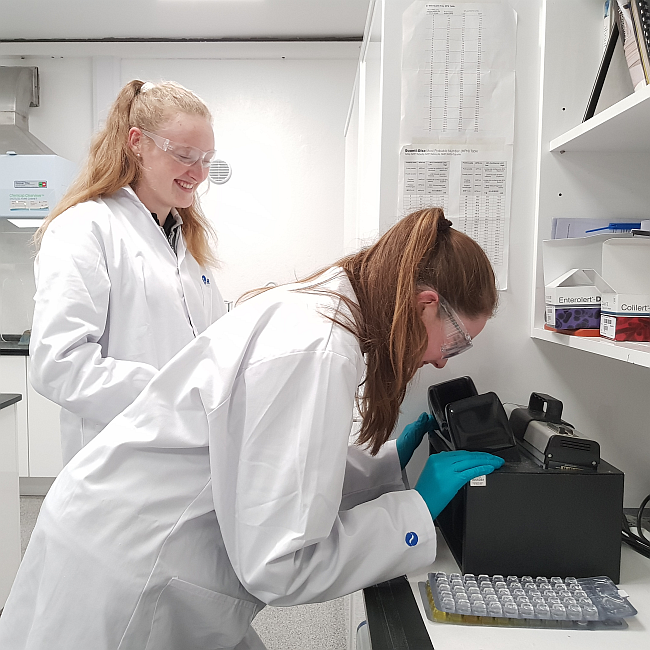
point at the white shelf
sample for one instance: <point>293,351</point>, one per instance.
<point>635,353</point>
<point>622,127</point>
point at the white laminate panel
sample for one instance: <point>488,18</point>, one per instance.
<point>45,458</point>
<point>13,379</point>
<point>9,502</point>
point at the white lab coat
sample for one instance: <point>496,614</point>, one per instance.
<point>113,305</point>
<point>228,484</point>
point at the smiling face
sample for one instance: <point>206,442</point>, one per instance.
<point>432,317</point>
<point>164,182</point>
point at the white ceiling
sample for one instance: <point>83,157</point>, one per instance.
<point>211,19</point>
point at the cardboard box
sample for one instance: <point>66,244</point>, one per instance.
<point>573,300</point>
<point>625,308</point>
<point>625,317</point>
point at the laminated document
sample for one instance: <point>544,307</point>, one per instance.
<point>457,127</point>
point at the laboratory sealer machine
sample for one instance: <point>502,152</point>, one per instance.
<point>555,507</point>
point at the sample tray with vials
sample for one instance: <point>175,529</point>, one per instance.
<point>584,603</point>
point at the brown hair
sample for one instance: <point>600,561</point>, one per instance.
<point>420,251</point>
<point>111,163</point>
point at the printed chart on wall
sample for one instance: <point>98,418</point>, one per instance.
<point>457,128</point>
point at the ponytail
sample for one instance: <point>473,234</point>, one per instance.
<point>421,251</point>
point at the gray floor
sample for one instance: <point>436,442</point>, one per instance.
<point>323,626</point>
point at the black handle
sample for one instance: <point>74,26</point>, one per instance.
<point>553,411</point>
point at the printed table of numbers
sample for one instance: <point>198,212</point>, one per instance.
<point>483,205</point>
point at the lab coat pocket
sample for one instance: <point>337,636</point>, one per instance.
<point>189,617</point>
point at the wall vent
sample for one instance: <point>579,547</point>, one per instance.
<point>220,172</point>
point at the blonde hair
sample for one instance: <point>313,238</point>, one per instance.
<point>111,163</point>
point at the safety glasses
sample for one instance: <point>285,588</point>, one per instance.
<point>182,153</point>
<point>456,337</point>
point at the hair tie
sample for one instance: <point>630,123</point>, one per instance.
<point>147,85</point>
<point>444,224</point>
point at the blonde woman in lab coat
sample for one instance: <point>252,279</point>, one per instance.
<point>123,273</point>
<point>229,484</point>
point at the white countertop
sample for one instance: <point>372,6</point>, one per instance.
<point>635,580</point>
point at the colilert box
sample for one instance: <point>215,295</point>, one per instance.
<point>625,305</point>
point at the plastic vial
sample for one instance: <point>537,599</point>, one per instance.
<point>573,612</point>
<point>510,610</point>
<point>447,605</point>
<point>590,613</point>
<point>558,612</point>
<point>526,610</point>
<point>463,607</point>
<point>542,610</point>
<point>479,608</point>
<point>469,576</point>
<point>494,609</point>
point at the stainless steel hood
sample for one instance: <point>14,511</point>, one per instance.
<point>19,89</point>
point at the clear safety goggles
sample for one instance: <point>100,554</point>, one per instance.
<point>456,336</point>
<point>182,153</point>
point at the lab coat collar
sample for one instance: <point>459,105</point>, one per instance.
<point>130,192</point>
<point>336,279</point>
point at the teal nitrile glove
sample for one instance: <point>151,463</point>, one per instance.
<point>412,435</point>
<point>446,472</point>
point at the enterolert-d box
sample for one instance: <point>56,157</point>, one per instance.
<point>573,300</point>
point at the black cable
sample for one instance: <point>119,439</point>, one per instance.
<point>639,516</point>
<point>640,543</point>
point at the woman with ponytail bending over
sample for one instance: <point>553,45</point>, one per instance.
<point>124,269</point>
<point>229,484</point>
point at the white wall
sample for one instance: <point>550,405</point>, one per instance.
<point>604,398</point>
<point>278,122</point>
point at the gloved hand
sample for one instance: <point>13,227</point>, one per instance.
<point>412,435</point>
<point>446,472</point>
